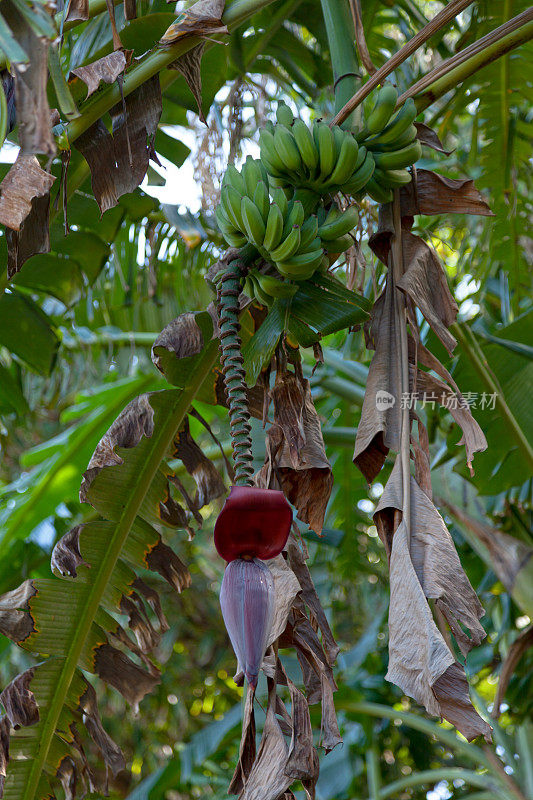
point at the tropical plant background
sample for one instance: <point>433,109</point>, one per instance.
<point>77,326</point>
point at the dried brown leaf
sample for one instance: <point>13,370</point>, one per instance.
<point>430,138</point>
<point>509,555</point>
<point>134,422</point>
<point>310,598</point>
<point>473,437</point>
<point>182,337</point>
<point>308,484</point>
<point>19,701</point>
<point>33,112</point>
<point>106,69</point>
<point>67,773</point>
<point>302,763</point>
<point>15,621</point>
<point>208,481</point>
<point>288,400</point>
<point>201,19</point>
<point>267,780</point>
<point>286,587</point>
<point>163,559</point>
<point>77,10</point>
<point>111,752</point>
<point>430,193</point>
<point>433,558</point>
<point>5,730</point>
<point>130,9</point>
<point>424,281</point>
<point>120,672</point>
<point>380,425</point>
<point>134,125</point>
<point>66,556</point>
<point>146,635</point>
<point>33,236</point>
<point>420,662</point>
<point>247,749</point>
<point>24,182</point>
<point>190,66</point>
<point>519,647</point>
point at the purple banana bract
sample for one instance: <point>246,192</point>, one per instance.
<point>247,602</point>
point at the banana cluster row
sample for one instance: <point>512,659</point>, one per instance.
<point>283,231</point>
<point>391,139</point>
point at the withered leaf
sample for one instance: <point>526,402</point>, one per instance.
<point>67,773</point>
<point>310,598</point>
<point>420,662</point>
<point>189,65</point>
<point>302,763</point>
<point>267,780</point>
<point>134,422</point>
<point>286,588</point>
<point>19,701</point>
<point>201,19</point>
<point>66,556</point>
<point>380,425</point>
<point>77,9</point>
<point>32,237</point>
<point>5,729</point>
<point>154,601</point>
<point>119,161</point>
<point>430,138</point>
<point>521,645</point>
<point>130,9</point>
<point>473,437</point>
<point>208,481</point>
<point>146,635</point>
<point>120,672</point>
<point>433,557</point>
<point>509,555</point>
<point>430,193</point>
<point>247,747</point>
<point>24,182</point>
<point>182,336</point>
<point>33,112</point>
<point>163,559</point>
<point>111,752</point>
<point>106,69</point>
<point>15,621</point>
<point>424,280</point>
<point>288,400</point>
<point>308,484</point>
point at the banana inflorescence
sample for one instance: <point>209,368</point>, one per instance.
<point>283,204</point>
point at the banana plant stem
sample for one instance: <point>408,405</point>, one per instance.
<point>475,355</point>
<point>439,21</point>
<point>153,63</point>
<point>341,37</point>
<point>454,70</point>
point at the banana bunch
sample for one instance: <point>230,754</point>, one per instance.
<point>267,288</point>
<point>391,139</point>
<point>320,159</point>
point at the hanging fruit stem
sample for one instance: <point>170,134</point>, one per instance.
<point>229,289</point>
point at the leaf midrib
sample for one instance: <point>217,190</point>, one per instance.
<point>161,440</point>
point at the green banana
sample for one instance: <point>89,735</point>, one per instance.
<point>234,178</point>
<point>233,237</point>
<point>308,198</point>
<point>306,145</point>
<point>269,154</point>
<point>342,224</point>
<point>284,115</point>
<point>327,152</point>
<point>253,221</point>
<point>338,135</point>
<point>392,178</point>
<point>251,172</point>
<point>378,193</point>
<point>262,200</point>
<point>264,298</point>
<point>274,228</point>
<point>308,233</point>
<point>300,267</point>
<point>346,161</point>
<point>231,203</point>
<point>399,124</point>
<point>287,149</point>
<point>295,217</point>
<point>406,138</point>
<point>248,287</point>
<point>280,198</point>
<point>338,245</point>
<point>362,176</point>
<point>399,159</point>
<point>276,288</point>
<point>288,247</point>
<point>383,109</point>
